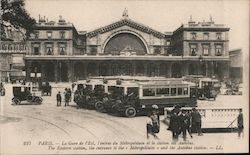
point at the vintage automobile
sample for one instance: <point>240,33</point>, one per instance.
<point>204,88</point>
<point>46,89</point>
<point>131,97</point>
<point>24,93</point>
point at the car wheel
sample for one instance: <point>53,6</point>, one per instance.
<point>16,101</point>
<point>99,106</point>
<point>130,112</point>
<point>38,100</point>
<point>30,98</point>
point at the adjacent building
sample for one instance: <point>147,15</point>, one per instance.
<point>236,64</point>
<point>58,52</point>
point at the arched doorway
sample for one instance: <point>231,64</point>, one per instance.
<point>49,71</point>
<point>91,69</point>
<point>152,69</point>
<point>193,69</point>
<point>104,69</point>
<point>79,71</point>
<point>176,70</point>
<point>125,43</point>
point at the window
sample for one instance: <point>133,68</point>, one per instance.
<point>179,91</point>
<point>218,50</point>
<point>49,49</point>
<point>149,92</point>
<point>157,50</point>
<point>218,36</point>
<point>193,50</point>
<point>205,50</point>
<point>36,49</point>
<point>185,91</point>
<point>36,34</point>
<point>93,50</point>
<point>193,35</point>
<point>62,49</point>
<point>62,34</point>
<point>168,43</point>
<point>162,91</point>
<point>173,91</point>
<point>205,36</point>
<point>49,34</point>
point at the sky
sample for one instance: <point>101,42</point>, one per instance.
<point>161,15</point>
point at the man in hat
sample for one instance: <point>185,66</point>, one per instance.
<point>196,121</point>
<point>240,123</point>
<point>59,98</point>
<point>183,123</point>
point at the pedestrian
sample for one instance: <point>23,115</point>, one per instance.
<point>153,125</point>
<point>174,125</point>
<point>189,124</point>
<point>183,123</point>
<point>66,97</point>
<point>196,121</point>
<point>240,123</point>
<point>59,98</point>
<point>70,94</point>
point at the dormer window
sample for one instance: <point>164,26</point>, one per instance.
<point>62,34</point>
<point>36,34</point>
<point>205,36</point>
<point>193,35</point>
<point>49,34</point>
<point>218,36</point>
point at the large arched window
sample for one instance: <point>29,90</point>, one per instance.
<point>125,43</point>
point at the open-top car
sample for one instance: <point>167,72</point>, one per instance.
<point>23,93</point>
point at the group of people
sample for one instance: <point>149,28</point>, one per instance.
<point>67,97</point>
<point>183,121</point>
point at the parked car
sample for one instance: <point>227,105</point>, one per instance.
<point>23,93</point>
<point>46,89</point>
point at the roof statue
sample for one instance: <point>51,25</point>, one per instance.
<point>125,13</point>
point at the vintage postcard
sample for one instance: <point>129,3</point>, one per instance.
<point>124,77</point>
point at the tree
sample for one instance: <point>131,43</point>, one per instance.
<point>15,16</point>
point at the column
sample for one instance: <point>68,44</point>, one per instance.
<point>85,70</point>
<point>184,68</point>
<point>70,71</point>
<point>43,71</point>
<point>56,71</point>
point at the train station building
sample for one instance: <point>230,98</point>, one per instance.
<point>58,52</point>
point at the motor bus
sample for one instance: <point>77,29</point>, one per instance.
<point>204,88</point>
<point>130,97</point>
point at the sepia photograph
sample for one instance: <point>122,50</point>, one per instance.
<point>124,76</point>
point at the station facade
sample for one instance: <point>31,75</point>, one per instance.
<point>57,52</point>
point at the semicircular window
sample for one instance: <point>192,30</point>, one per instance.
<point>125,43</point>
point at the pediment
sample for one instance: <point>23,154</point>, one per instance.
<point>126,22</point>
